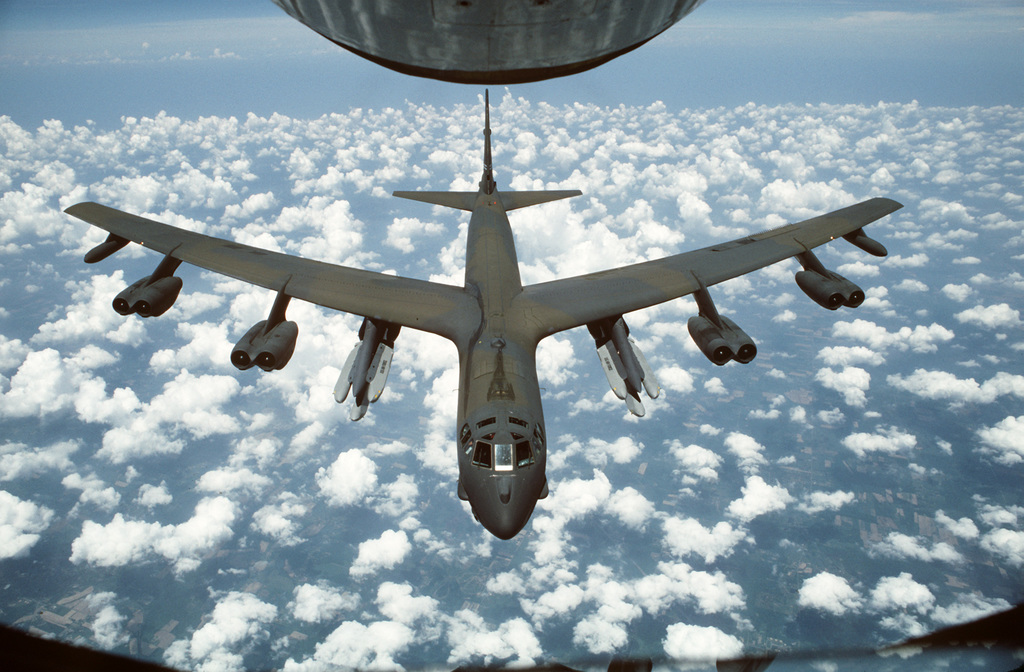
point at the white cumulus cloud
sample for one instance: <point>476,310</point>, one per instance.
<point>831,593</point>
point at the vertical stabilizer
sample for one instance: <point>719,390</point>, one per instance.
<point>487,184</point>
<point>468,200</point>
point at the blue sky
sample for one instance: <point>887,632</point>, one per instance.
<point>79,61</point>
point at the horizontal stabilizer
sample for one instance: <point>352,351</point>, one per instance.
<point>466,200</point>
<point>513,200</point>
<point>460,200</point>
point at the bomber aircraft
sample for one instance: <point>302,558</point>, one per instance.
<point>494,320</point>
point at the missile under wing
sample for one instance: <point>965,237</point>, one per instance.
<point>489,41</point>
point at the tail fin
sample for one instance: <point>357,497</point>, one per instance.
<point>466,200</point>
<point>487,184</point>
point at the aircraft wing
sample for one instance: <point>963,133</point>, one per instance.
<point>562,304</point>
<point>419,304</point>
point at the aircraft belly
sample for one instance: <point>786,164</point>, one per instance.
<point>499,41</point>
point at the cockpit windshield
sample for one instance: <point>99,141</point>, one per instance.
<point>503,457</point>
<point>494,450</point>
<point>482,455</point>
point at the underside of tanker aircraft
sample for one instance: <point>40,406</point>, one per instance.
<point>489,41</point>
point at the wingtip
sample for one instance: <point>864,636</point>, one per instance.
<point>890,204</point>
<point>71,209</point>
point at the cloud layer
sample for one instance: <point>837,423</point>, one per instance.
<point>854,466</point>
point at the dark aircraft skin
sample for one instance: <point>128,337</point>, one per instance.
<point>494,320</point>
<point>489,41</point>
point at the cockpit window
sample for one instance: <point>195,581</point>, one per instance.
<point>464,434</point>
<point>485,422</point>
<point>517,421</point>
<point>482,455</point>
<point>503,457</point>
<point>524,455</point>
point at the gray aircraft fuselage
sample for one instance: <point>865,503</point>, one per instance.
<point>502,451</point>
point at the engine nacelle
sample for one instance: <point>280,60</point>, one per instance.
<point>148,297</point>
<point>830,291</point>
<point>152,295</point>
<point>721,344</point>
<point>717,336</point>
<point>124,301</point>
<point>270,349</point>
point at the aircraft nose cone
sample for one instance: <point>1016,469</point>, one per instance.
<point>506,515</point>
<point>503,526</point>
<point>504,487</point>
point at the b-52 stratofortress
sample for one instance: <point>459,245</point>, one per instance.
<point>494,320</point>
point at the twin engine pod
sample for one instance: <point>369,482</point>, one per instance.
<point>624,365</point>
<point>269,343</point>
<point>827,288</point>
<point>152,295</point>
<point>366,370</point>
<point>270,349</point>
<point>717,336</point>
<point>148,297</point>
<point>722,342</point>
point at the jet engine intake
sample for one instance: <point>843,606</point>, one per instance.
<point>623,363</point>
<point>721,343</point>
<point>830,291</point>
<point>717,336</point>
<point>365,372</point>
<point>154,294</point>
<point>270,349</point>
<point>269,343</point>
<point>827,288</point>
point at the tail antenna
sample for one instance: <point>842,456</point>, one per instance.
<point>487,184</point>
